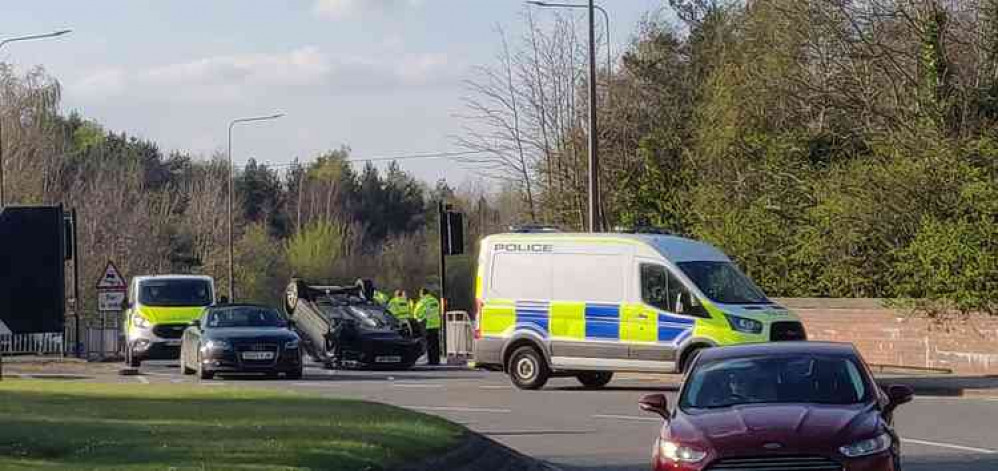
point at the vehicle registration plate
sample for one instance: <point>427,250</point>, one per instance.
<point>258,355</point>
<point>173,342</point>
<point>388,359</point>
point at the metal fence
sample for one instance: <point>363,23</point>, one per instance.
<point>46,343</point>
<point>99,339</point>
<point>460,334</point>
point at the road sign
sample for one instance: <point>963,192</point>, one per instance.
<point>110,300</point>
<point>112,279</point>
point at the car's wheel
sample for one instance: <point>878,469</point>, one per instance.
<point>184,369</point>
<point>131,360</point>
<point>527,369</point>
<point>594,379</point>
<point>203,373</point>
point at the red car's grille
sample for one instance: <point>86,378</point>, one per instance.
<point>776,463</point>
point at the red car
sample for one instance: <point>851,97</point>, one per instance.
<point>779,406</point>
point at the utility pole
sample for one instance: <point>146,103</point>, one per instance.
<point>594,193</point>
<point>232,181</point>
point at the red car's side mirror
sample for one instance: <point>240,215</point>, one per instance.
<point>656,403</point>
<point>898,394</point>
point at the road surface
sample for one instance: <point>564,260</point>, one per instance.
<point>576,429</point>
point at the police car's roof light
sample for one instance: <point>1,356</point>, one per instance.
<point>533,228</point>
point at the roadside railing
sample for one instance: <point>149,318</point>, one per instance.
<point>45,343</point>
<point>460,335</point>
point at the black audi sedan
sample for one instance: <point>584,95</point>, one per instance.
<point>241,338</point>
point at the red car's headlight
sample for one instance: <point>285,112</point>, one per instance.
<point>870,446</point>
<point>680,453</point>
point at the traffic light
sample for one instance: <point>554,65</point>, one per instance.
<point>454,233</point>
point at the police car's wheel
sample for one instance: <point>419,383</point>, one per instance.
<point>527,369</point>
<point>595,379</point>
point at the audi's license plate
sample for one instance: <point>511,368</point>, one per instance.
<point>258,355</point>
<point>388,359</point>
<point>173,342</point>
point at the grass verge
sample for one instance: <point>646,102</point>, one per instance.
<point>48,424</point>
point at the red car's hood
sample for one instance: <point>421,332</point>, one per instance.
<point>797,428</point>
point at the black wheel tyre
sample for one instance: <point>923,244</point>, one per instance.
<point>595,379</point>
<point>203,373</point>
<point>527,369</point>
<point>184,370</point>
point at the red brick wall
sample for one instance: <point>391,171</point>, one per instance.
<point>887,338</point>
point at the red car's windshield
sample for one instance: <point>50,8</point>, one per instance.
<point>783,379</point>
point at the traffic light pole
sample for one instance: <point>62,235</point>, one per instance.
<point>442,224</point>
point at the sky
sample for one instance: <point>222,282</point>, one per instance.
<point>383,77</point>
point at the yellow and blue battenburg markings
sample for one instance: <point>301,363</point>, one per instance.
<point>593,321</point>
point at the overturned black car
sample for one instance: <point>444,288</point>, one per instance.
<point>342,327</point>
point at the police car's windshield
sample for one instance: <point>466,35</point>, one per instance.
<point>177,292</point>
<point>723,282</point>
<point>783,379</point>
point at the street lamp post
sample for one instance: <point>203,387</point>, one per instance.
<point>232,181</point>
<point>594,193</point>
<point>3,43</point>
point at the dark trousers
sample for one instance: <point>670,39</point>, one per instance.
<point>433,346</point>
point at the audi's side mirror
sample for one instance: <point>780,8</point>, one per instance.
<point>196,323</point>
<point>655,403</point>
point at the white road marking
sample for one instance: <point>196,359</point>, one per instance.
<point>459,409</point>
<point>626,417</point>
<point>494,387</point>
<point>950,446</point>
<point>212,384</point>
<point>153,373</point>
<point>417,386</point>
<point>142,379</point>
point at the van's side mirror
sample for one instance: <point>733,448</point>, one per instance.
<point>898,394</point>
<point>656,403</point>
<point>223,300</point>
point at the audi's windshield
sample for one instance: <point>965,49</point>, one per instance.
<point>175,293</point>
<point>723,282</point>
<point>244,316</point>
<point>782,379</point>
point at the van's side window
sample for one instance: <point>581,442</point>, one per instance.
<point>680,298</point>
<point>655,286</point>
<point>661,289</point>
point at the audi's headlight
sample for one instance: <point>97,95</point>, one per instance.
<point>743,324</point>
<point>678,453</point>
<point>141,322</point>
<point>869,446</point>
<point>291,344</point>
<point>217,345</point>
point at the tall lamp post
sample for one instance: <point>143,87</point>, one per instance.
<point>4,42</point>
<point>594,193</point>
<point>232,181</point>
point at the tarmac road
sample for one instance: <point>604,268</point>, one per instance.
<point>576,429</point>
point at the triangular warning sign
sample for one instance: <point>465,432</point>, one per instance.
<point>112,279</point>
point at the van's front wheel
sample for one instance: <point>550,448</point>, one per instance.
<point>595,379</point>
<point>527,369</point>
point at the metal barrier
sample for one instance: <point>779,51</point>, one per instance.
<point>46,343</point>
<point>460,334</point>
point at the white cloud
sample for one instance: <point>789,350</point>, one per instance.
<point>302,71</point>
<point>340,9</point>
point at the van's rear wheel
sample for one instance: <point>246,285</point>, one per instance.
<point>595,379</point>
<point>527,369</point>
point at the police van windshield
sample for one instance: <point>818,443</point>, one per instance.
<point>722,282</point>
<point>177,292</point>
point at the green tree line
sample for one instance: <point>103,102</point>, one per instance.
<point>840,149</point>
